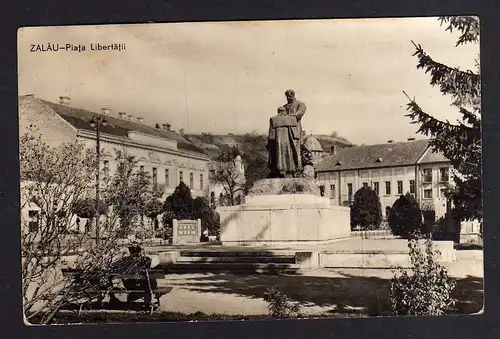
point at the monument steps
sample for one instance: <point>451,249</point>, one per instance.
<point>239,259</point>
<point>245,261</point>
<point>230,267</point>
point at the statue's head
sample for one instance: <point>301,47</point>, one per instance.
<point>290,95</point>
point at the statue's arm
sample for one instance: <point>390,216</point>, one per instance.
<point>301,110</point>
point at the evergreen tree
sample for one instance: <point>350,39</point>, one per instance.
<point>208,216</point>
<point>366,210</point>
<point>179,205</point>
<point>405,217</point>
<point>460,142</point>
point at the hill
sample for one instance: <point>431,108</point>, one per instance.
<point>252,149</point>
<point>214,145</point>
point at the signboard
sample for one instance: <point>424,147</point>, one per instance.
<point>186,231</point>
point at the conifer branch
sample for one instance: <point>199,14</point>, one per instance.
<point>464,86</point>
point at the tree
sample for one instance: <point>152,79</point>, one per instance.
<point>255,159</point>
<point>405,216</point>
<point>179,205</point>
<point>85,208</point>
<point>460,142</point>
<point>366,210</point>
<point>209,217</point>
<point>228,174</point>
<point>53,181</point>
<point>128,191</point>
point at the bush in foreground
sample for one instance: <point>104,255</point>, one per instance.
<point>427,289</point>
<point>279,305</point>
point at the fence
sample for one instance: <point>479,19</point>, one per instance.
<point>372,234</point>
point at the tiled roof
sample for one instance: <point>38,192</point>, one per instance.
<point>80,118</point>
<point>378,156</point>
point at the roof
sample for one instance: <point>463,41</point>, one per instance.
<point>80,118</point>
<point>379,156</point>
<point>312,144</point>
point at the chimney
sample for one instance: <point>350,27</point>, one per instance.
<point>122,115</point>
<point>105,110</point>
<point>63,100</point>
<point>140,119</point>
<point>390,141</point>
<point>130,117</point>
<point>157,126</point>
<point>333,150</point>
<point>411,139</point>
<point>166,126</point>
<point>181,131</point>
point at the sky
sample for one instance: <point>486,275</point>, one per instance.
<point>230,77</point>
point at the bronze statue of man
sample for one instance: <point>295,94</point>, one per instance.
<point>284,138</point>
<point>296,108</point>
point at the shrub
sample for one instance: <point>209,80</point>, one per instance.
<point>85,208</point>
<point>405,217</point>
<point>209,217</point>
<point>427,289</point>
<point>279,305</point>
<point>366,210</point>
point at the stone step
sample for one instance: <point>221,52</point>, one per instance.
<point>238,259</point>
<point>204,253</point>
<point>194,267</point>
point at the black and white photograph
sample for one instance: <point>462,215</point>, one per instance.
<point>250,170</point>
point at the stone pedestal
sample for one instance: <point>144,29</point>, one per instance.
<point>276,214</point>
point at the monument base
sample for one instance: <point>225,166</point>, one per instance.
<point>283,219</point>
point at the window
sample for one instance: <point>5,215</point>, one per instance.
<point>155,176</point>
<point>400,187</point>
<point>191,180</point>
<point>106,169</point>
<point>412,186</point>
<point>181,177</point>
<point>427,175</point>
<point>349,192</point>
<point>141,169</point>
<point>365,184</point>
<point>444,174</point>
<point>376,187</point>
<point>332,191</point>
<point>387,211</point>
<point>167,178</point>
<point>387,187</point>
<point>33,223</point>
<point>443,193</point>
<point>201,181</point>
<point>428,194</point>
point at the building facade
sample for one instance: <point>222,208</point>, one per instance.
<point>167,156</point>
<point>391,169</point>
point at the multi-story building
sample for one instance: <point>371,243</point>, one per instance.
<point>391,169</point>
<point>169,157</point>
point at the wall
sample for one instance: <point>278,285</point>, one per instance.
<point>55,130</point>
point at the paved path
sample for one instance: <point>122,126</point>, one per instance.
<point>319,290</point>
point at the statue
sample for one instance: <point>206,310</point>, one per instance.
<point>296,108</point>
<point>284,140</point>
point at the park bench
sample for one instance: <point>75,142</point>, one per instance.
<point>136,285</point>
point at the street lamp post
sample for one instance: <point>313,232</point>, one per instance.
<point>96,122</point>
